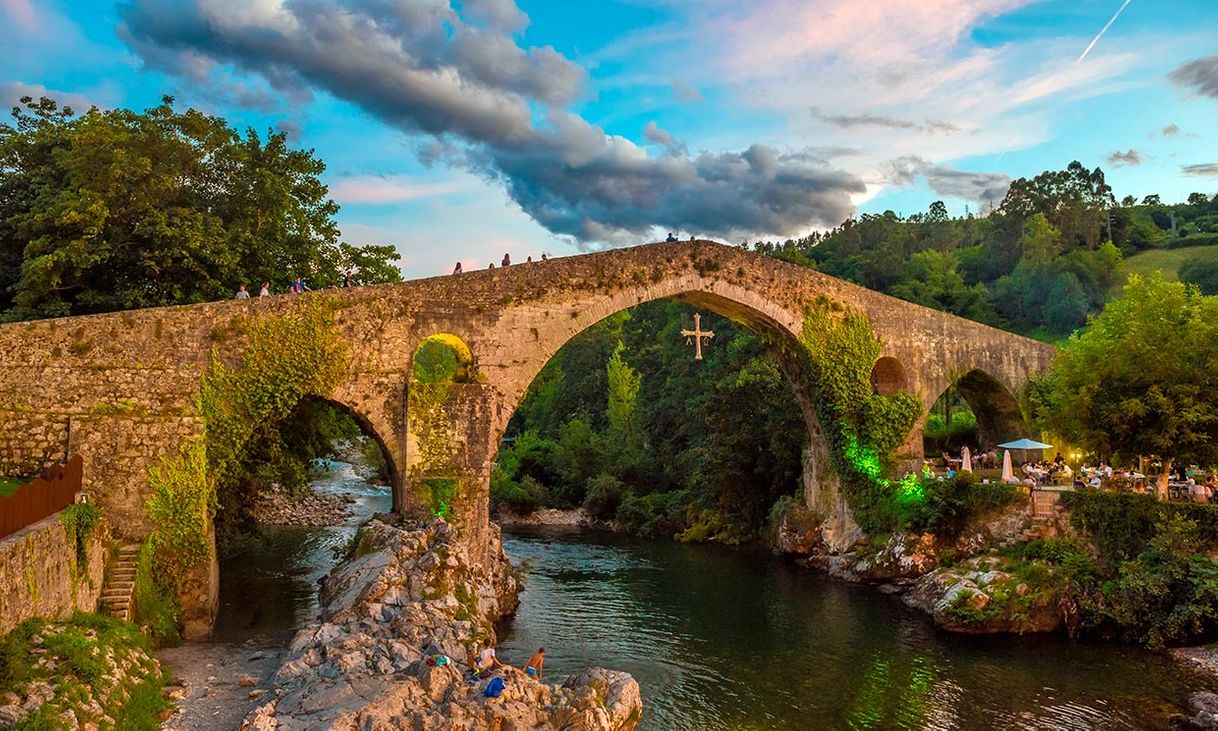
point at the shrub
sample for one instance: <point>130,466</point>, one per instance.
<point>653,515</point>
<point>603,496</point>
<point>1121,524</point>
<point>947,506</point>
<point>154,607</point>
<point>524,496</point>
<point>1167,595</point>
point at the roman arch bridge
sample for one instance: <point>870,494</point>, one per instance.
<point>120,389</point>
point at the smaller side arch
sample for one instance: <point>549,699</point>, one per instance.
<point>998,413</point>
<point>442,357</point>
<point>888,376</point>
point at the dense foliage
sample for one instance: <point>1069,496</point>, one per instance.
<point>1039,263</point>
<point>117,209</point>
<point>625,422</point>
<point>1152,583</point>
<point>1142,379</point>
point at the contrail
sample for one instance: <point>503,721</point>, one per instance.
<point>1104,30</point>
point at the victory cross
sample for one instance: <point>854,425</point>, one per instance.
<point>697,334</point>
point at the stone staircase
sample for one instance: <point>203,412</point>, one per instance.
<point>120,583</point>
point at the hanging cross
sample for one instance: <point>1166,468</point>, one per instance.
<point>697,334</point>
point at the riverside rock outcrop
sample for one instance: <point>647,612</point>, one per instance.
<point>409,594</point>
<point>958,582</point>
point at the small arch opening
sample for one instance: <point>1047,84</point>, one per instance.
<point>888,376</point>
<point>975,411</point>
<point>443,358</point>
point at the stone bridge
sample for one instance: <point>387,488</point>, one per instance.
<point>120,388</point>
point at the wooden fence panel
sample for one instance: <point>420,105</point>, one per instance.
<point>47,494</point>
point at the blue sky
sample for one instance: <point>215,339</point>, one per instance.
<point>470,129</point>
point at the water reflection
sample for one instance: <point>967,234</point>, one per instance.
<point>723,639</point>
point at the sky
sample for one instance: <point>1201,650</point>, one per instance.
<point>468,129</point>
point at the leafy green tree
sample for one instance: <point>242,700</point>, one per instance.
<point>1152,200</point>
<point>1142,379</point>
<point>1198,199</point>
<point>625,430</point>
<point>1074,200</point>
<point>118,209</point>
<point>932,279</point>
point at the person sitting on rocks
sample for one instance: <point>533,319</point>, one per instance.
<point>486,661</point>
<point>533,668</point>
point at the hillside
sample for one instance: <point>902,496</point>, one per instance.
<point>1167,260</point>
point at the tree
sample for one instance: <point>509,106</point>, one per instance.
<point>625,430</point>
<point>1198,199</point>
<point>1152,200</point>
<point>1142,379</point>
<point>119,209</point>
<point>1129,201</point>
<point>1074,200</point>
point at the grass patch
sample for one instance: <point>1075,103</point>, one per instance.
<point>9,485</point>
<point>1166,260</point>
<point>145,707</point>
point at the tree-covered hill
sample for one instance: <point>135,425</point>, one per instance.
<point>1046,258</point>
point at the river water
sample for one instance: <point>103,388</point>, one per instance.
<point>729,639</point>
<point>268,581</point>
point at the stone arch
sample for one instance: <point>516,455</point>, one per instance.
<point>777,327</point>
<point>999,415</point>
<point>370,430</point>
<point>888,376</point>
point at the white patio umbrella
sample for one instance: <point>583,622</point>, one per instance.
<point>1008,473</point>
<point>966,460</point>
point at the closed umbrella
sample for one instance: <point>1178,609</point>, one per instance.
<point>1008,473</point>
<point>966,460</point>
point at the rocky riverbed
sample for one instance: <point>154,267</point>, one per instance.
<point>278,507</point>
<point>408,594</point>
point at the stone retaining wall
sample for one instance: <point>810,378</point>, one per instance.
<point>39,575</point>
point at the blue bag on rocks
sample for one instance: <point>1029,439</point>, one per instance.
<point>494,688</point>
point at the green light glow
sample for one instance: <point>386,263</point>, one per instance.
<point>911,490</point>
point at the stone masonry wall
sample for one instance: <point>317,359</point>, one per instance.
<point>39,575</point>
<point>127,381</point>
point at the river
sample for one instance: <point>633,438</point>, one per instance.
<point>721,638</point>
<point>268,581</point>
<point>728,639</point>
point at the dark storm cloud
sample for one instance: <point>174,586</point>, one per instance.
<point>1122,159</point>
<point>1200,75</point>
<point>851,121</point>
<point>979,187</point>
<point>494,107</point>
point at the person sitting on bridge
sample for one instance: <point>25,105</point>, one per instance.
<point>266,290</point>
<point>457,269</point>
<point>671,239</point>
<point>533,667</point>
<point>242,294</point>
<point>507,260</point>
